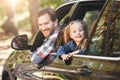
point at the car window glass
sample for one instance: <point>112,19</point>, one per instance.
<point>89,17</point>
<point>98,40</point>
<point>114,34</point>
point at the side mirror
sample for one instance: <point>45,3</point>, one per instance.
<point>20,42</point>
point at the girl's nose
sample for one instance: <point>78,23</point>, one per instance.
<point>78,32</point>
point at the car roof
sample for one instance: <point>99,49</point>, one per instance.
<point>68,2</point>
<point>67,5</point>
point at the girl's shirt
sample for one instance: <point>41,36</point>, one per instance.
<point>69,47</point>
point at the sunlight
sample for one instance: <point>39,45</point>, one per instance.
<point>12,3</point>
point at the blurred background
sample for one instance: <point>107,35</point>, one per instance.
<point>19,17</point>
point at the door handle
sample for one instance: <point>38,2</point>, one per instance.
<point>84,71</point>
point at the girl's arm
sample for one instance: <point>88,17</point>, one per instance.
<point>74,52</point>
<point>65,49</point>
<point>77,52</point>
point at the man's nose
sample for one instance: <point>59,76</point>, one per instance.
<point>43,27</point>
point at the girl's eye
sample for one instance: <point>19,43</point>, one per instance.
<point>74,31</point>
<point>80,30</point>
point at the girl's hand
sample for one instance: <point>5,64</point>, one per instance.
<point>65,56</point>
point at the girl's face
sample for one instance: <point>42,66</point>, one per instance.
<point>77,33</point>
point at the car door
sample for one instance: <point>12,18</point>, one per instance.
<point>81,64</point>
<point>102,57</point>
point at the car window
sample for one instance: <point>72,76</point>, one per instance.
<point>62,11</point>
<point>88,12</point>
<point>106,38</point>
<point>83,11</point>
<point>89,17</point>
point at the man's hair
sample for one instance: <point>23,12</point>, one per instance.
<point>48,11</point>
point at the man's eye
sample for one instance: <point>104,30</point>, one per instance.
<point>46,23</point>
<point>40,24</point>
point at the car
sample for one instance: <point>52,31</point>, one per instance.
<point>101,60</point>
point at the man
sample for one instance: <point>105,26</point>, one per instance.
<point>48,25</point>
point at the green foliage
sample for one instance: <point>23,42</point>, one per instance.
<point>51,3</point>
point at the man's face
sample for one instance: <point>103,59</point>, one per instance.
<point>46,25</point>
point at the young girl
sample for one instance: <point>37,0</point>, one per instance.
<point>75,37</point>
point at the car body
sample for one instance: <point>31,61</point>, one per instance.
<point>102,57</point>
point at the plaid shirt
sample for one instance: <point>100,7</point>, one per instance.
<point>45,49</point>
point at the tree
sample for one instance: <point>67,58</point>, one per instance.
<point>51,3</point>
<point>33,8</point>
<point>9,24</point>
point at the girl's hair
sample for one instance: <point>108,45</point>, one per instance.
<point>67,32</point>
